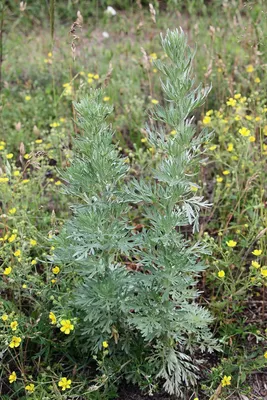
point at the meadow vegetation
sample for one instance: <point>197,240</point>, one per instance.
<point>89,214</point>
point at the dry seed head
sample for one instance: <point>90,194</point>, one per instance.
<point>79,18</point>
<point>145,59</point>
<point>36,131</point>
<point>152,12</point>
<point>18,126</point>
<point>76,25</point>
<point>22,149</point>
<point>108,76</point>
<point>139,26</point>
<point>209,69</point>
<point>22,6</point>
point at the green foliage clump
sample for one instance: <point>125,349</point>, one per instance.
<point>136,287</point>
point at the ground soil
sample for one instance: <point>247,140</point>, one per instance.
<point>132,393</point>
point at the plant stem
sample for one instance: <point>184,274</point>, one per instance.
<point>1,45</point>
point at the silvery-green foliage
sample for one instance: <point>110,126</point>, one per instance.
<point>137,289</point>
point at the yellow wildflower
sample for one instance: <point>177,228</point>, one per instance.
<point>106,98</point>
<point>221,274</point>
<point>4,317</point>
<point>257,252</point>
<point>237,96</point>
<point>252,139</point>
<point>230,147</point>
<point>52,318</point>
<point>90,80</point>
<point>53,280</point>
<point>58,183</point>
<point>55,124</point>
<point>206,120</point>
<point>243,99</point>
<point>12,377</point>
<point>9,156</point>
<point>154,101</point>
<point>96,77</point>
<point>12,211</point>
<point>3,180</point>
<point>67,326</point>
<point>25,180</point>
<point>226,172</point>
<point>249,117</point>
<point>17,253</point>
<point>231,102</point>
<point>30,388</point>
<point>7,271</point>
<point>143,140</point>
<point>219,179</point>
<point>257,80</point>
<point>27,98</point>
<point>231,243</point>
<point>153,56</point>
<point>14,325</point>
<point>173,132</point>
<point>56,270</point>
<point>244,131</point>
<point>64,383</point>
<point>265,354</point>
<point>264,271</point>
<point>255,264</point>
<point>90,75</point>
<point>12,238</point>
<point>213,147</point>
<point>210,112</point>
<point>226,381</point>
<point>33,262</point>
<point>38,141</point>
<point>15,342</point>
<point>33,242</point>
<point>105,344</point>
<point>250,68</point>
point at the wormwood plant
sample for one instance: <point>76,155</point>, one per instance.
<point>136,288</point>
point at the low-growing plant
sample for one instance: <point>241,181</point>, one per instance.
<point>136,272</point>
